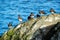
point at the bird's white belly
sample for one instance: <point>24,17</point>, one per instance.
<point>20,19</point>
<point>32,16</point>
<point>52,12</point>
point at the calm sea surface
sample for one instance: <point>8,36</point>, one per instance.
<point>9,9</point>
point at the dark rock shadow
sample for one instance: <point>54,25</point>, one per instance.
<point>46,33</point>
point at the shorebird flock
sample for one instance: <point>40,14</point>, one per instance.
<point>31,16</point>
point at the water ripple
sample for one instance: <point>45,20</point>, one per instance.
<point>9,10</point>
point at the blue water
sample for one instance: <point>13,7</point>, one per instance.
<point>9,9</point>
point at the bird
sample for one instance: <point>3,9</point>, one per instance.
<point>31,16</point>
<point>19,18</point>
<point>52,10</point>
<point>37,15</point>
<point>42,12</point>
<point>10,25</point>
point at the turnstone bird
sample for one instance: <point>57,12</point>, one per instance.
<point>31,16</point>
<point>19,18</point>
<point>42,12</point>
<point>38,15</point>
<point>52,10</point>
<point>10,25</point>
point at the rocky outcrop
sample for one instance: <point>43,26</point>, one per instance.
<point>29,30</point>
<point>47,33</point>
<point>55,29</point>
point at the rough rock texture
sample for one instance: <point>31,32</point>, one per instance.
<point>50,33</point>
<point>34,29</point>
